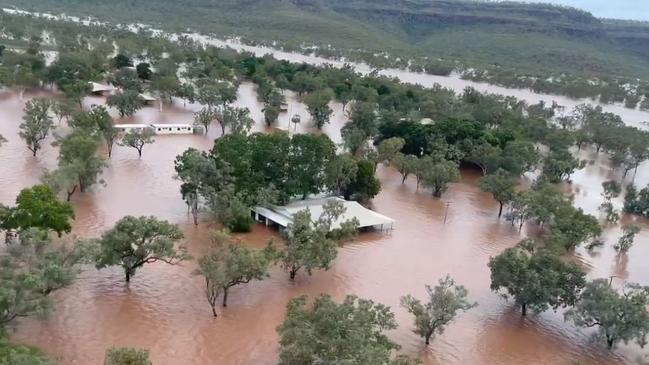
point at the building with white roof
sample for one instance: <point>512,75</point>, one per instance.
<point>100,89</point>
<point>282,216</point>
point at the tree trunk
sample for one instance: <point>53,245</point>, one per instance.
<point>610,341</point>
<point>500,211</point>
<point>403,178</point>
<point>437,192</point>
<point>524,309</point>
<point>34,151</point>
<point>195,214</point>
<point>292,273</point>
<point>225,297</point>
<point>139,153</point>
<point>71,192</point>
<point>214,311</point>
<point>128,276</point>
<point>428,336</point>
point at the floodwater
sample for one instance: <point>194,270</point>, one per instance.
<point>164,308</point>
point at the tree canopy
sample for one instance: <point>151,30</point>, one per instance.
<point>617,316</point>
<point>536,280</point>
<point>444,302</point>
<point>134,242</point>
<point>331,333</point>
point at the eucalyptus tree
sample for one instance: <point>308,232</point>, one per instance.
<point>134,242</point>
<point>36,124</point>
<point>445,300</point>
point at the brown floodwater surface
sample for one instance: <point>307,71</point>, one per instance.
<point>164,309</point>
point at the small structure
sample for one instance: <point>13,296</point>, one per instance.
<point>160,128</point>
<point>173,128</point>
<point>125,128</point>
<point>283,216</point>
<point>283,107</point>
<point>101,89</point>
<point>148,99</point>
<point>426,121</point>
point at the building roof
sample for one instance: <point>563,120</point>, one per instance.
<point>283,215</point>
<point>147,97</point>
<point>97,87</point>
<point>131,126</point>
<point>177,125</point>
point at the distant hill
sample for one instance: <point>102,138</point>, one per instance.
<point>528,38</point>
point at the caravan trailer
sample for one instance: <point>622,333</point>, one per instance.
<point>173,128</point>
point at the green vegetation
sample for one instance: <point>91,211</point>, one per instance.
<point>331,333</point>
<point>445,301</point>
<point>127,356</point>
<point>535,280</point>
<point>617,316</point>
<point>37,207</point>
<point>313,243</point>
<point>134,242</point>
<point>542,47</point>
<point>37,124</point>
<point>11,354</point>
<point>425,133</point>
<point>228,264</point>
<point>137,138</point>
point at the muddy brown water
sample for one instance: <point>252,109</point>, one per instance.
<point>164,308</point>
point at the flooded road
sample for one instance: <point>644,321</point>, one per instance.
<point>164,308</point>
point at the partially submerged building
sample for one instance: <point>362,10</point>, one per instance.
<point>282,216</point>
<point>148,99</point>
<point>158,128</point>
<point>100,89</point>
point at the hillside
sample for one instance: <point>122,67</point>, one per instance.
<point>524,38</point>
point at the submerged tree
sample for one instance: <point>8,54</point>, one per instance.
<point>204,118</point>
<point>38,207</point>
<point>312,244</point>
<point>238,120</point>
<point>137,138</point>
<point>134,242</point>
<point>33,268</point>
<point>612,189</point>
<point>626,240</point>
<point>14,354</point>
<point>536,280</point>
<point>438,174</point>
<point>444,302</point>
<point>405,164</point>
<point>194,169</point>
<point>329,333</point>
<point>78,160</point>
<point>317,103</point>
<point>127,356</point>
<point>501,186</point>
<point>618,317</point>
<point>126,102</point>
<point>229,264</point>
<point>36,124</point>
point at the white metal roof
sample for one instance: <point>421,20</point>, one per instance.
<point>284,215</point>
<point>131,126</point>
<point>147,97</point>
<point>97,87</point>
<point>177,125</point>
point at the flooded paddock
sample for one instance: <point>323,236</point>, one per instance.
<point>164,309</point>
